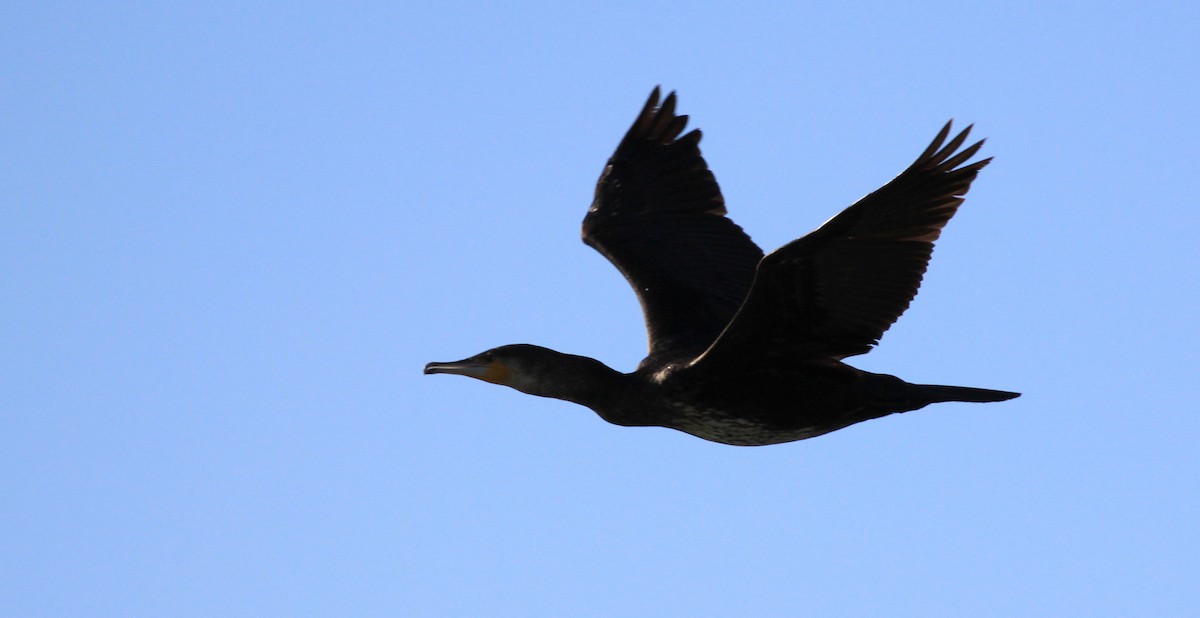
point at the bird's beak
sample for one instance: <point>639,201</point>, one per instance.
<point>489,371</point>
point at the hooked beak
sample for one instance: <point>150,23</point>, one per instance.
<point>489,371</point>
<point>462,368</point>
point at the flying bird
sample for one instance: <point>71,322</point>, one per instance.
<point>747,349</point>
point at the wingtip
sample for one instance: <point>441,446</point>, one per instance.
<point>667,109</point>
<point>937,142</point>
<point>940,154</point>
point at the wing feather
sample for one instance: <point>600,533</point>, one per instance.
<point>658,216</point>
<point>834,292</point>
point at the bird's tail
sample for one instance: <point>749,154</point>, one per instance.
<point>937,394</point>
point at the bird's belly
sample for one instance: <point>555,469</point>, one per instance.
<point>720,426</point>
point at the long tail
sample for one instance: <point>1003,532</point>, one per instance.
<point>937,394</point>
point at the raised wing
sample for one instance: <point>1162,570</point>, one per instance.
<point>658,216</point>
<point>833,293</point>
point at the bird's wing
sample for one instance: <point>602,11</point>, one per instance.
<point>833,293</point>
<point>659,217</point>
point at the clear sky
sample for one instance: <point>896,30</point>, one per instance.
<point>231,234</point>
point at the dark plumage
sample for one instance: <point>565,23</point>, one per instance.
<point>746,349</point>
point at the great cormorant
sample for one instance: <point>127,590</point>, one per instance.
<point>747,349</point>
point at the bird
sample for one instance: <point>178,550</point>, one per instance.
<point>747,349</point>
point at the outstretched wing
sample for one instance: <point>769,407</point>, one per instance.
<point>835,291</point>
<point>658,216</point>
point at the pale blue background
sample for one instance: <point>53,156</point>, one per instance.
<point>232,233</point>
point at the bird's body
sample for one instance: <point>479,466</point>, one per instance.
<point>747,349</point>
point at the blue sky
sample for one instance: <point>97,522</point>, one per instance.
<point>233,233</point>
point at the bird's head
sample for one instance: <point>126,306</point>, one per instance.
<point>530,369</point>
<point>519,366</point>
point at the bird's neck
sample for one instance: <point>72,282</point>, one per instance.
<point>588,382</point>
<point>577,379</point>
